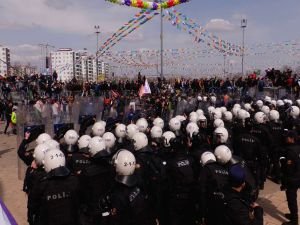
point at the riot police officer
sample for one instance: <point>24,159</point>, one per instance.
<point>55,200</point>
<point>130,205</point>
<point>182,182</point>
<point>212,179</point>
<point>96,183</point>
<point>291,175</point>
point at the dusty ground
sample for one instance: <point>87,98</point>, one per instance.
<point>271,198</point>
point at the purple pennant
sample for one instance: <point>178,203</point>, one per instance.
<point>8,214</point>
<point>128,2</point>
<point>155,6</point>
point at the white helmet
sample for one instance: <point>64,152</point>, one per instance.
<point>96,145</point>
<point>174,124</point>
<point>159,122</point>
<point>39,153</point>
<point>273,102</point>
<point>167,137</point>
<point>142,124</point>
<point>193,117</point>
<point>260,117</point>
<point>265,109</point>
<point>207,157</point>
<point>124,161</point>
<point>200,112</point>
<point>199,98</point>
<point>131,130</point>
<point>156,132</point>
<point>221,134</point>
<point>140,141</point>
<point>223,154</point>
<point>54,159</point>
<point>217,114</point>
<point>120,131</point>
<point>243,114</point>
<point>298,102</point>
<point>192,129</point>
<point>227,116</point>
<point>52,144</point>
<point>287,101</point>
<point>218,123</point>
<point>98,128</point>
<point>84,141</point>
<point>235,111</point>
<point>210,110</point>
<point>223,109</point>
<point>237,106</point>
<point>213,99</point>
<point>294,111</point>
<point>109,139</point>
<point>71,137</point>
<point>279,103</point>
<point>268,99</point>
<point>247,107</point>
<point>274,115</point>
<point>180,118</point>
<point>42,138</point>
<point>204,98</point>
<point>259,103</point>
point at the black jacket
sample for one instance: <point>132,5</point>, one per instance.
<point>239,212</point>
<point>55,200</point>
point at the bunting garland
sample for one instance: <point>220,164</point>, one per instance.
<point>147,4</point>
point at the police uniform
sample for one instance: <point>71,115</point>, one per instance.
<point>182,181</point>
<point>212,179</point>
<point>291,177</point>
<point>248,147</point>
<point>96,184</point>
<point>262,132</point>
<point>130,205</point>
<point>55,200</point>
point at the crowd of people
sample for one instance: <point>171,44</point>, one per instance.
<point>192,152</point>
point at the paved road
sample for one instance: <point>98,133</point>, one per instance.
<point>271,198</point>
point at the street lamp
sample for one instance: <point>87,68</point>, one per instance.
<point>243,26</point>
<point>161,44</point>
<point>97,32</point>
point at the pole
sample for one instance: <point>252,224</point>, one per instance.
<point>243,53</point>
<point>243,26</point>
<point>97,28</point>
<point>161,44</point>
<point>224,65</point>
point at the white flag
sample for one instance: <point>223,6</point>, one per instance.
<point>147,88</point>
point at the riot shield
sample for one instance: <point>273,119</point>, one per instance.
<point>90,110</point>
<point>30,119</point>
<point>66,118</point>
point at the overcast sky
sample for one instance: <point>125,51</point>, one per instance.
<point>70,23</point>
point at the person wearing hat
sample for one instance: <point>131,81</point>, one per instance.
<point>238,211</point>
<point>290,166</point>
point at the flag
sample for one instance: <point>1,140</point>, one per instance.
<point>141,91</point>
<point>115,94</point>
<point>5,216</point>
<point>147,88</point>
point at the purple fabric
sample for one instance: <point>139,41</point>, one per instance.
<point>8,214</point>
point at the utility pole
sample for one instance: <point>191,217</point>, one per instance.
<point>224,65</point>
<point>97,32</point>
<point>44,48</point>
<point>161,43</point>
<point>243,26</point>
